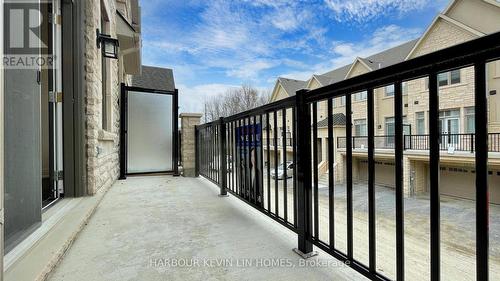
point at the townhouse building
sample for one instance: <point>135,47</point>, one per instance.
<point>461,21</point>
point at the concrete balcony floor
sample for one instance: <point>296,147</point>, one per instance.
<point>145,224</point>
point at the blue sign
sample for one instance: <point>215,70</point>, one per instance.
<point>249,135</point>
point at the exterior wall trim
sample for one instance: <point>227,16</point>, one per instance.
<point>450,5</point>
<point>358,59</point>
<point>493,2</point>
<point>275,90</point>
<point>463,26</point>
<point>431,26</point>
<point>313,78</point>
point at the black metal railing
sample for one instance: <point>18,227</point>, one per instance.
<point>248,174</point>
<point>457,142</point>
<point>288,141</point>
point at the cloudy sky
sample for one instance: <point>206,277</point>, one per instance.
<point>218,44</point>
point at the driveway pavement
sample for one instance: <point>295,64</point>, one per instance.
<point>457,231</point>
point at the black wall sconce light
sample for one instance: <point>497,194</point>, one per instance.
<point>109,45</point>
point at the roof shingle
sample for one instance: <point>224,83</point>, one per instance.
<point>155,78</point>
<point>291,86</point>
<point>338,120</point>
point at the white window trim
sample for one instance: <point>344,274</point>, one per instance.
<point>364,122</point>
<point>416,122</point>
<point>448,85</point>
<point>393,90</point>
<point>493,2</point>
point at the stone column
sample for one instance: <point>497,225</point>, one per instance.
<point>188,121</point>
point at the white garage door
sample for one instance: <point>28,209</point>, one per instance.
<point>461,182</point>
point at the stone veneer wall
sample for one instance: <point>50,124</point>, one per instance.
<point>102,146</point>
<point>188,149</point>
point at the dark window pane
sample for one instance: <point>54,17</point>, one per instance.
<point>455,77</point>
<point>443,79</point>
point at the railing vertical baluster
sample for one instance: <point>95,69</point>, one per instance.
<point>315,168</point>
<point>246,125</point>
<point>205,146</point>
<point>261,163</point>
<point>294,149</point>
<point>348,165</point>
<point>276,164</point>
<point>210,152</point>
<point>482,204</point>
<point>238,157</point>
<point>331,182</point>
<point>371,182</point>
<point>233,171</point>
<point>471,143</point>
<point>206,151</point>
<point>268,139</point>
<point>255,161</point>
<point>434,149</point>
<point>235,156</point>
<point>229,156</point>
<point>249,159</point>
<point>304,200</point>
<point>222,158</point>
<point>243,159</point>
<point>214,153</point>
<point>285,176</point>
<point>398,160</point>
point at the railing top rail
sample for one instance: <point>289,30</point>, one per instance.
<point>209,124</point>
<point>277,105</point>
<point>486,49</point>
<point>270,107</point>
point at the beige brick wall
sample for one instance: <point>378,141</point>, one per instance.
<point>102,146</point>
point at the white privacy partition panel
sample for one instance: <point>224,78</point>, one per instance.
<point>149,133</point>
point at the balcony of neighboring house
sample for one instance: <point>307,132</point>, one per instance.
<point>450,144</point>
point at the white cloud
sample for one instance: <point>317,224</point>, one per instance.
<point>343,53</point>
<point>192,99</point>
<point>251,69</point>
<point>367,10</point>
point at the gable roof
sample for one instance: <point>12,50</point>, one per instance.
<point>356,61</point>
<point>390,56</point>
<point>313,78</point>
<point>385,58</point>
<point>338,120</point>
<point>155,78</point>
<point>335,75</point>
<point>434,22</point>
<point>291,86</point>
